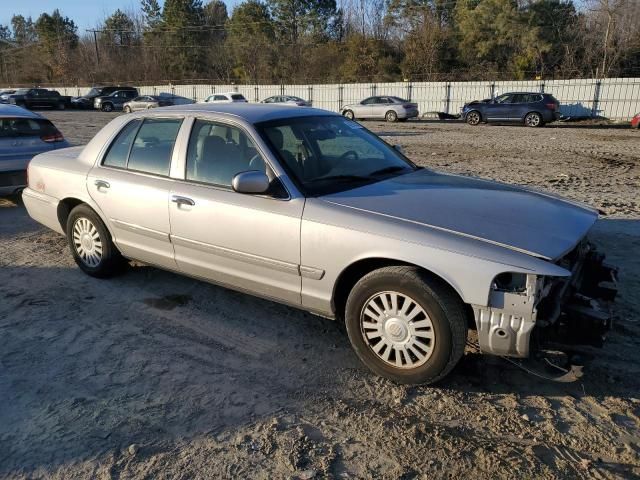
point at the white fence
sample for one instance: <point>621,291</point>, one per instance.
<point>613,98</point>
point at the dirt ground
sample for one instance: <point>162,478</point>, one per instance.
<point>153,375</point>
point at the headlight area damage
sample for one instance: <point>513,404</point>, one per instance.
<point>565,311</point>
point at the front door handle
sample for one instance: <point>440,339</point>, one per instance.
<point>102,184</point>
<point>182,200</point>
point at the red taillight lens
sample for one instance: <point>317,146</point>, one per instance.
<point>52,137</point>
<point>551,106</point>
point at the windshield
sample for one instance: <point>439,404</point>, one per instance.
<point>325,154</point>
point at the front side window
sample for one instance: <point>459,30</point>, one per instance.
<point>144,146</point>
<point>217,152</point>
<point>325,154</point>
<point>506,98</point>
<point>370,101</point>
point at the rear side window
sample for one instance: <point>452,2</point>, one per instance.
<point>237,96</point>
<point>144,146</point>
<point>25,127</point>
<point>153,146</point>
<point>119,149</point>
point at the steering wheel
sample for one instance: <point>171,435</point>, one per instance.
<point>353,154</point>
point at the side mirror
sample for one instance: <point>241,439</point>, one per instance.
<point>252,181</point>
<point>398,148</point>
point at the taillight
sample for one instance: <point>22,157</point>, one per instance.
<point>52,137</point>
<point>407,106</point>
<point>551,106</point>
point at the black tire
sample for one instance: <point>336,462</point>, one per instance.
<point>473,118</point>
<point>443,307</point>
<point>61,106</point>
<point>533,119</point>
<point>111,262</point>
<point>349,114</point>
<point>106,107</point>
<point>391,116</point>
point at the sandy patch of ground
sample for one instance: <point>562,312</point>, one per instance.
<point>158,376</point>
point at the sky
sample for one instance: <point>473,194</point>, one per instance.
<point>86,13</point>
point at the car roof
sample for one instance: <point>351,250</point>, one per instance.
<point>15,111</point>
<point>250,112</point>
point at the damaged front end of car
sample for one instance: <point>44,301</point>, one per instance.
<point>526,312</point>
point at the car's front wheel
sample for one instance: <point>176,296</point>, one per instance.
<point>127,109</point>
<point>473,117</point>
<point>91,245</point>
<point>348,114</point>
<point>533,119</point>
<point>406,325</point>
<point>107,107</point>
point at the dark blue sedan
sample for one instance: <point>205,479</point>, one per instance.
<point>530,108</point>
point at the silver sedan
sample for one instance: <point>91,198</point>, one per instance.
<point>23,134</point>
<point>145,102</point>
<point>305,207</point>
<point>287,100</point>
<point>388,108</point>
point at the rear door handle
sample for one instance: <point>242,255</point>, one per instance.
<point>182,200</point>
<point>102,184</point>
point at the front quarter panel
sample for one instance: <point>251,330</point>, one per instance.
<point>334,237</point>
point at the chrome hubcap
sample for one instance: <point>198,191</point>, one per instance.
<point>397,329</point>
<point>474,118</point>
<point>86,241</point>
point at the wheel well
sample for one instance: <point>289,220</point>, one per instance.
<point>354,272</point>
<point>474,110</point>
<point>64,209</point>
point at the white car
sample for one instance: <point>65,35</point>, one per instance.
<point>228,97</point>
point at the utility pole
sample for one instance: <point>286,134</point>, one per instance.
<point>95,44</point>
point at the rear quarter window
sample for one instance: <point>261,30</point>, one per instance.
<point>119,150</point>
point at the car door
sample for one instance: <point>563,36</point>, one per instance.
<point>131,186</point>
<point>519,106</point>
<point>500,108</point>
<point>381,107</point>
<point>365,108</point>
<point>248,242</point>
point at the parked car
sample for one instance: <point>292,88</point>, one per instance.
<point>635,121</point>
<point>287,100</point>
<point>534,109</point>
<point>389,108</point>
<point>4,95</point>
<point>23,134</point>
<point>145,102</point>
<point>311,209</point>
<point>86,101</point>
<point>228,97</point>
<point>114,101</point>
<point>39,98</point>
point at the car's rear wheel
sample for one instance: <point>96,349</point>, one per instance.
<point>107,107</point>
<point>91,245</point>
<point>533,119</point>
<point>348,114</point>
<point>127,109</point>
<point>406,325</point>
<point>473,117</point>
<point>391,116</point>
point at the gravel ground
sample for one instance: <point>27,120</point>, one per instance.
<point>159,376</point>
